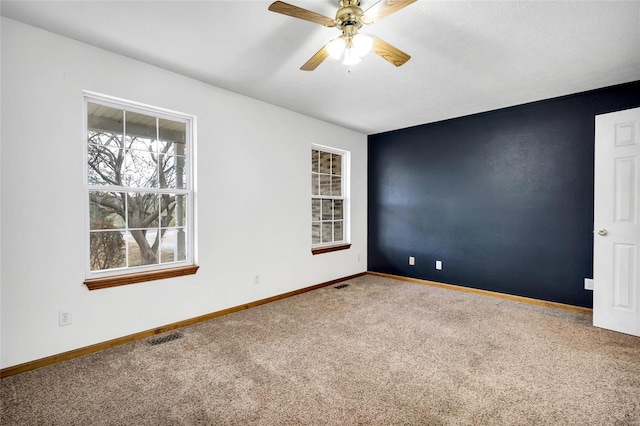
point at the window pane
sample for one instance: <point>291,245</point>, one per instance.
<point>105,127</point>
<point>337,209</point>
<point>315,233</point>
<point>106,210</point>
<point>336,164</point>
<point>104,164</point>
<point>173,162</point>
<point>173,135</point>
<point>315,210</point>
<point>315,180</point>
<point>143,247</point>
<point>173,210</point>
<point>315,156</point>
<point>327,210</point>
<point>327,232</point>
<point>172,247</point>
<point>142,210</point>
<point>140,131</point>
<point>336,185</point>
<point>172,172</point>
<point>337,231</point>
<point>325,185</point>
<point>107,250</point>
<point>104,121</point>
<point>141,169</point>
<point>181,237</point>
<point>325,162</point>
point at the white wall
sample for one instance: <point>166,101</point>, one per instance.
<point>245,149</point>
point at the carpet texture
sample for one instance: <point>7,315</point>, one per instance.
<point>379,351</point>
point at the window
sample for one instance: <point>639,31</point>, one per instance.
<point>140,205</point>
<point>329,201</point>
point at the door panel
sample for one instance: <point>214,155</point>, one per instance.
<point>624,264</point>
<point>625,171</point>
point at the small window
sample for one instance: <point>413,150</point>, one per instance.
<point>329,201</point>
<point>139,189</point>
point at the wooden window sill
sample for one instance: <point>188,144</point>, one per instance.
<point>118,280</point>
<point>320,250</point>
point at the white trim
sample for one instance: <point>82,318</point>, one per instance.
<point>115,188</point>
<point>137,107</point>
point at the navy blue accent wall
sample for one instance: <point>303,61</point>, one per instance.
<point>504,198</point>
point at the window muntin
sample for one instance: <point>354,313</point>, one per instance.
<point>328,196</point>
<point>139,180</point>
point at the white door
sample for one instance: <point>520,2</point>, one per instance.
<point>616,253</point>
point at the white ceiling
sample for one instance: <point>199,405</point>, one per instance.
<point>467,57</point>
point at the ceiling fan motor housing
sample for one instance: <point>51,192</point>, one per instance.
<point>349,15</point>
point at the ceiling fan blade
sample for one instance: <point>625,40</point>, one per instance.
<point>316,59</point>
<point>300,13</point>
<point>386,51</point>
<point>383,8</point>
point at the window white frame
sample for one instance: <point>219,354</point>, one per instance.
<point>345,197</point>
<point>188,191</point>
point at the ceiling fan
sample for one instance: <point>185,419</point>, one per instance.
<point>351,45</point>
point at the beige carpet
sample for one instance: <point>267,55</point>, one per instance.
<point>376,352</point>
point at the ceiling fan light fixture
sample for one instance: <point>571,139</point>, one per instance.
<point>362,44</point>
<point>336,47</point>
<point>351,57</point>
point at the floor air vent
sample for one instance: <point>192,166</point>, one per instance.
<point>341,286</point>
<point>164,339</point>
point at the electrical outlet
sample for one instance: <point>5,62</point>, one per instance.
<point>439,265</point>
<point>64,318</point>
<point>256,279</point>
<point>412,260</point>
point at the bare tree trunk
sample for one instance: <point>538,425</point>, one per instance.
<point>147,254</point>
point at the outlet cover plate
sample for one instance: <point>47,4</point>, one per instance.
<point>588,283</point>
<point>64,318</point>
